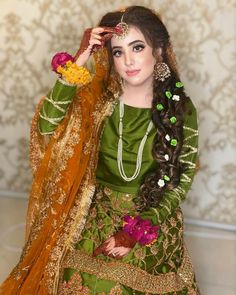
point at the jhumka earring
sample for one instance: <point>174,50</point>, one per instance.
<point>121,29</point>
<point>161,71</point>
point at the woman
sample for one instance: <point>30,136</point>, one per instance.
<point>113,156</point>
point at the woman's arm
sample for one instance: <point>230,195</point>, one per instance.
<point>55,106</point>
<point>73,74</point>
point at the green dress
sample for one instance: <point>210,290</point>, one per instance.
<point>144,269</point>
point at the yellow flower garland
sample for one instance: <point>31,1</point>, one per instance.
<point>74,74</point>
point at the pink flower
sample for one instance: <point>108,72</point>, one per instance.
<point>60,59</point>
<point>141,230</point>
<point>118,30</point>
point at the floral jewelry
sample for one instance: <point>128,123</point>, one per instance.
<point>160,107</point>
<point>60,59</point>
<point>176,97</point>
<point>168,94</point>
<point>173,120</point>
<point>173,141</point>
<point>179,84</point>
<point>143,231</point>
<point>166,156</point>
<point>173,97</point>
<point>167,137</point>
<point>161,71</point>
<point>63,64</point>
<point>161,182</point>
<point>74,74</point>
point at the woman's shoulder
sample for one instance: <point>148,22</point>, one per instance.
<point>190,107</point>
<point>190,117</point>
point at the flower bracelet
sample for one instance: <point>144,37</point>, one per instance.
<point>143,231</point>
<point>64,65</point>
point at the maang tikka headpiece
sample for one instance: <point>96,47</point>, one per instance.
<point>121,28</point>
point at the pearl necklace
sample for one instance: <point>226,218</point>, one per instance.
<point>120,148</point>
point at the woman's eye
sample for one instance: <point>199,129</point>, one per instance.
<point>116,53</point>
<point>138,48</point>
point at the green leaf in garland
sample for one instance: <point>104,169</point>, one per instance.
<point>173,120</point>
<point>168,94</point>
<point>159,106</point>
<point>166,178</point>
<point>179,84</point>
<point>173,142</point>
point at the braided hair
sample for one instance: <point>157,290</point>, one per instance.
<point>168,106</point>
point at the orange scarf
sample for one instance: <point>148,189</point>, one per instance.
<point>63,187</point>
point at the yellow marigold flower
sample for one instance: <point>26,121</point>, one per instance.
<point>74,74</point>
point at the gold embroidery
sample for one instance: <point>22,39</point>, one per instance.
<point>116,290</point>
<point>107,191</point>
<point>185,272</point>
<point>130,275</point>
<point>76,221</point>
<point>75,287</point>
<point>154,249</point>
<point>139,253</point>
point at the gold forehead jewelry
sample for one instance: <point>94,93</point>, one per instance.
<point>122,29</point>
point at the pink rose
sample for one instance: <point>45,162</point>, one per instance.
<point>141,230</point>
<point>60,59</point>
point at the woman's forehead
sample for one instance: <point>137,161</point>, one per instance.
<point>133,34</point>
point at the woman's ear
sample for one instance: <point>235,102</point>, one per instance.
<point>158,54</point>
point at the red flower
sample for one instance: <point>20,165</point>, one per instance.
<point>60,59</point>
<point>141,230</point>
<point>118,30</point>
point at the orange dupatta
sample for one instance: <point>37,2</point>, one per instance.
<point>62,189</point>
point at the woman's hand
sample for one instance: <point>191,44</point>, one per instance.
<point>92,38</point>
<point>116,246</point>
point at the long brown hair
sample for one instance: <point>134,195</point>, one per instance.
<point>157,36</point>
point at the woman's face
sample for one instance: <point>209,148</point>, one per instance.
<point>133,58</point>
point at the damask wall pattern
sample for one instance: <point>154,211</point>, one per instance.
<point>203,35</point>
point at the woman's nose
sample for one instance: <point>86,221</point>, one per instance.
<point>128,59</point>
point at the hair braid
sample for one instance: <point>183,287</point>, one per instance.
<point>150,193</point>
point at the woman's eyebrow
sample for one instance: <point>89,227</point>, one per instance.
<point>131,43</point>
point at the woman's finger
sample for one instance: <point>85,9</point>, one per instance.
<point>110,244</point>
<point>109,30</point>
<point>94,42</point>
<point>119,251</point>
<point>99,30</point>
<point>96,36</point>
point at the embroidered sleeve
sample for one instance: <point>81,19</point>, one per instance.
<point>173,198</point>
<point>55,106</point>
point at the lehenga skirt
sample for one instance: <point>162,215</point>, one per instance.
<point>162,268</point>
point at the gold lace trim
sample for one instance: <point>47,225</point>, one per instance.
<point>132,276</point>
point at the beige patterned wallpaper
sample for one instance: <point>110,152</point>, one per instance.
<point>203,34</point>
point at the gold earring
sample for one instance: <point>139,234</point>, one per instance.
<point>161,71</point>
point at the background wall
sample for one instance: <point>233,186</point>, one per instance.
<point>203,34</point>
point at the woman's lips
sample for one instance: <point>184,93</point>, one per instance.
<point>132,73</point>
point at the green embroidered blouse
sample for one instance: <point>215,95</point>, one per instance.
<point>135,124</point>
